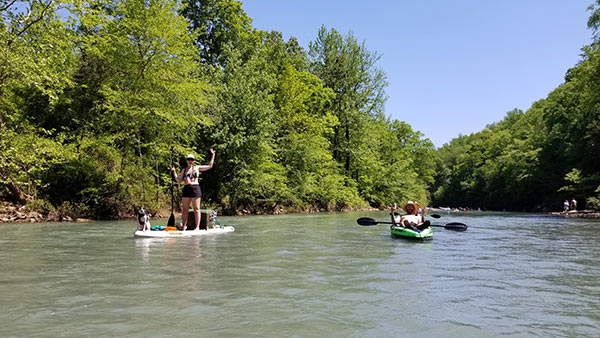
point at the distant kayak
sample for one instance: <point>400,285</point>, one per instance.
<point>179,233</point>
<point>402,232</point>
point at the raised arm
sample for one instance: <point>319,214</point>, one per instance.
<point>210,165</point>
<point>423,210</point>
<point>393,211</point>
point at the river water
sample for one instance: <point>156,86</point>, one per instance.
<point>318,275</point>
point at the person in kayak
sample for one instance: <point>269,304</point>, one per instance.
<point>191,190</point>
<point>413,219</point>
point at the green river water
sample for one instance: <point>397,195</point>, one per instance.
<point>318,275</point>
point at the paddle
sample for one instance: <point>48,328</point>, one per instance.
<point>454,226</point>
<point>171,221</point>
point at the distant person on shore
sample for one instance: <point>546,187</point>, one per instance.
<point>574,204</point>
<point>191,190</point>
<point>566,205</point>
<point>413,219</point>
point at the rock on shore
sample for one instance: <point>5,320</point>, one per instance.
<point>10,213</point>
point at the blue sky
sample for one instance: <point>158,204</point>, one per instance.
<point>452,66</point>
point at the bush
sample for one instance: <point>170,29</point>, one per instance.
<point>41,206</point>
<point>79,181</point>
<point>593,203</point>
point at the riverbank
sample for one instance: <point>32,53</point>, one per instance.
<point>12,213</point>
<point>578,214</point>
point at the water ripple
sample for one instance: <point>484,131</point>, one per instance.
<point>319,275</point>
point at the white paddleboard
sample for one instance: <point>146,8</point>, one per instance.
<point>178,233</point>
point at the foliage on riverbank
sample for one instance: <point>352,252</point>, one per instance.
<point>533,160</point>
<point>93,95</point>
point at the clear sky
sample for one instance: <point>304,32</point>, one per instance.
<point>453,66</point>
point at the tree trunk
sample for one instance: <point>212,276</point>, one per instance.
<point>157,179</point>
<point>14,192</point>
<point>141,168</point>
<point>347,150</point>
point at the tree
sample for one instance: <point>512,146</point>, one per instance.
<point>36,61</point>
<point>349,69</point>
<point>151,91</point>
<point>220,26</point>
<point>245,174</point>
<point>304,124</point>
<point>594,20</point>
<point>36,47</point>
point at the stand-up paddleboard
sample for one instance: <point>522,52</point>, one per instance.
<point>209,225</point>
<point>186,233</point>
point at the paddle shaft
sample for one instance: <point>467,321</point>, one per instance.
<point>171,221</point>
<point>172,179</point>
<point>456,226</point>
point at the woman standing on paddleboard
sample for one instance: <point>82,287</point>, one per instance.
<point>191,190</point>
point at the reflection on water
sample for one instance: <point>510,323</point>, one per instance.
<point>305,276</point>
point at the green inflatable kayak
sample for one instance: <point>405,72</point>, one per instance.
<point>402,232</point>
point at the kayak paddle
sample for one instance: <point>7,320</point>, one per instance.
<point>455,226</point>
<point>171,222</point>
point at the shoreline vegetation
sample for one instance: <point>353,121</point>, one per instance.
<point>11,213</point>
<point>89,127</point>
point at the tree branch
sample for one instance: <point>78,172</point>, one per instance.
<point>8,6</point>
<point>42,14</point>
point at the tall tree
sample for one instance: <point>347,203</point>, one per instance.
<point>349,69</point>
<point>304,124</point>
<point>594,20</point>
<point>36,49</point>
<point>220,26</point>
<point>36,63</point>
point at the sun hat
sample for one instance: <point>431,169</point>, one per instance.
<point>415,205</point>
<point>190,157</point>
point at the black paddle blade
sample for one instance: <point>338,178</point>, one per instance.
<point>435,216</point>
<point>171,221</point>
<point>456,226</point>
<point>366,221</point>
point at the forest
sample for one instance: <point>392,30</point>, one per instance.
<point>98,97</point>
<point>532,160</point>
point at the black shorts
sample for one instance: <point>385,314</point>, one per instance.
<point>192,190</point>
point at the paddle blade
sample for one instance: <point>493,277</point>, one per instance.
<point>435,216</point>
<point>456,226</point>
<point>366,221</point>
<point>171,221</point>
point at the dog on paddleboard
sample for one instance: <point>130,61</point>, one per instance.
<point>143,220</point>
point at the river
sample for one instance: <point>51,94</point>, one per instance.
<point>316,275</point>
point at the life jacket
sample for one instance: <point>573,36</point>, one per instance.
<point>191,176</point>
<point>142,217</point>
<point>414,219</point>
